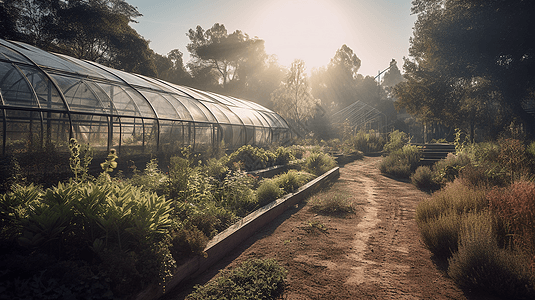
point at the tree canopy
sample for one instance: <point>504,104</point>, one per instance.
<point>96,30</point>
<point>472,62</point>
<point>293,99</point>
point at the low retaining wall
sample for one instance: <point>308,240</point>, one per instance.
<point>227,240</point>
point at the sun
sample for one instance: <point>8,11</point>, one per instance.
<point>301,29</point>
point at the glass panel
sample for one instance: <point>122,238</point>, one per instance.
<point>116,134</point>
<point>176,89</point>
<point>183,113</point>
<point>121,100</point>
<point>195,94</point>
<point>218,114</point>
<point>142,105</point>
<point>269,119</point>
<point>131,78</point>
<point>172,136</point>
<point>203,134</point>
<point>163,108</point>
<point>46,59</point>
<point>91,68</point>
<point>78,95</point>
<point>238,136</point>
<point>249,135</point>
<point>14,87</point>
<point>132,133</point>
<point>260,118</point>
<point>47,93</point>
<point>105,100</point>
<point>193,107</point>
<point>10,54</point>
<point>90,129</point>
<point>246,116</point>
<point>23,131</point>
<point>151,134</point>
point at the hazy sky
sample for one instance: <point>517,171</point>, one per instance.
<point>376,30</point>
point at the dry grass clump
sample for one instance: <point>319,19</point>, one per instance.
<point>481,265</point>
<point>455,198</point>
<point>332,204</point>
<point>515,206</point>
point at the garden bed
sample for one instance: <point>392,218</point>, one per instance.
<point>227,240</point>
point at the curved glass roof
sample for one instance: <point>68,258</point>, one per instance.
<point>93,88</point>
<point>35,80</point>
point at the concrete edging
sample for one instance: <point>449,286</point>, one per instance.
<point>230,238</point>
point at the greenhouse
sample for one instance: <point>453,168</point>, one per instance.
<point>48,98</point>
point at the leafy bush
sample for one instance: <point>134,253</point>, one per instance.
<point>481,265</point>
<point>367,142</point>
<point>77,220</point>
<point>283,156</point>
<point>401,163</point>
<point>424,178</point>
<point>236,193</point>
<point>253,279</point>
<point>251,158</point>
<point>187,242</point>
<point>292,180</point>
<point>446,170</point>
<point>396,140</point>
<point>268,191</point>
<point>318,163</point>
<point>151,179</point>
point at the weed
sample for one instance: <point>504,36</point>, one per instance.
<point>254,279</point>
<point>315,227</point>
<point>332,204</point>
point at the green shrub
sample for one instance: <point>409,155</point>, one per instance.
<point>396,140</point>
<point>292,180</point>
<point>236,193</point>
<point>481,265</point>
<point>151,179</point>
<point>424,178</point>
<point>367,142</point>
<point>187,242</point>
<point>250,158</point>
<point>401,163</point>
<point>75,220</point>
<point>318,163</point>
<point>283,156</point>
<point>446,170</point>
<point>298,151</point>
<point>268,191</point>
<point>253,279</point>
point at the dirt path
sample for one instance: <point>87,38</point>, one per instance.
<point>373,254</point>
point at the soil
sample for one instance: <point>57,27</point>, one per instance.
<point>374,253</point>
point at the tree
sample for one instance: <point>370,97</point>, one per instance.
<point>171,67</point>
<point>293,99</point>
<point>224,56</point>
<point>468,47</point>
<point>96,30</point>
<point>392,76</point>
